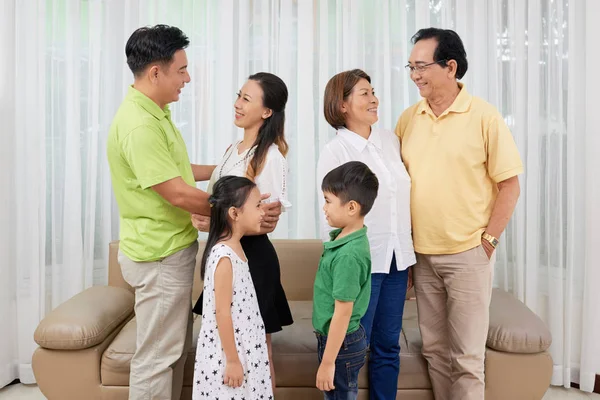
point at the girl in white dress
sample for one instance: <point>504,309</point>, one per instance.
<point>232,360</point>
<point>260,156</point>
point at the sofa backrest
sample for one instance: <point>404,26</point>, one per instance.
<point>299,260</point>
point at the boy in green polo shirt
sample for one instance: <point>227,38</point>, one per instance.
<point>343,282</point>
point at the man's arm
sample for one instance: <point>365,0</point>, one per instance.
<point>506,201</point>
<point>504,165</point>
<point>202,172</point>
<point>184,196</point>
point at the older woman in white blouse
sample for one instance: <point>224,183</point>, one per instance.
<point>351,108</point>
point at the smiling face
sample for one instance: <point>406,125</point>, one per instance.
<point>338,213</point>
<point>250,215</point>
<point>171,78</point>
<point>360,107</point>
<point>434,78</point>
<point>249,109</point>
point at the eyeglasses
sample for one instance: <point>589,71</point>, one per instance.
<point>419,69</point>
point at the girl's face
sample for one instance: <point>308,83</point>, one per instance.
<point>361,105</point>
<point>250,216</point>
<point>249,109</point>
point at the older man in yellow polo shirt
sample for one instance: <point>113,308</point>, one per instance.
<point>464,164</point>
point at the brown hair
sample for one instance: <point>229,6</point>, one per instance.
<point>337,90</point>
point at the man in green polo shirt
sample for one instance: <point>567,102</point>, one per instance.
<point>154,184</point>
<point>342,286</point>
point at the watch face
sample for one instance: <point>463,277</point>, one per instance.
<point>495,242</point>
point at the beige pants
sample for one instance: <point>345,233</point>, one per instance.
<point>163,299</point>
<point>453,298</point>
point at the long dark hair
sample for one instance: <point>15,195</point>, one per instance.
<point>229,191</point>
<point>275,95</point>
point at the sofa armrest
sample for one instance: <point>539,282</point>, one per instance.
<point>514,328</point>
<point>86,319</point>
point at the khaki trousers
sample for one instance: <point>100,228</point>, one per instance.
<point>163,300</point>
<point>453,298</point>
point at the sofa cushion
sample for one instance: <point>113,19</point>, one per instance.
<point>86,319</point>
<point>503,370</point>
<point>413,366</point>
<point>116,360</point>
<point>514,328</point>
<point>299,260</point>
<point>295,353</point>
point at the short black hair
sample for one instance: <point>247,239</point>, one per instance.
<point>353,181</point>
<point>154,44</point>
<point>450,47</point>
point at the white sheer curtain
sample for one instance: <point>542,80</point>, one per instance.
<point>8,331</point>
<point>65,74</point>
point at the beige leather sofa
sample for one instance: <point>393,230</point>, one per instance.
<point>85,344</point>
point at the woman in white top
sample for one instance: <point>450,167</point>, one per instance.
<point>351,108</point>
<point>260,156</point>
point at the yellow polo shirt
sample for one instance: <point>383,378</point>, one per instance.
<point>455,162</point>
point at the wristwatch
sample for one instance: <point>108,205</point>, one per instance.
<point>492,240</point>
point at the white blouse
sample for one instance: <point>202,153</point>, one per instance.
<point>388,223</point>
<point>272,179</point>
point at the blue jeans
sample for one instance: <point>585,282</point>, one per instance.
<point>348,363</point>
<point>383,323</point>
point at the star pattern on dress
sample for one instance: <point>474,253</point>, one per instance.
<point>249,333</point>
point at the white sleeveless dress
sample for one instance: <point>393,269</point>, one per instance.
<point>249,333</point>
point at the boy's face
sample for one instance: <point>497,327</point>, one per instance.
<point>339,215</point>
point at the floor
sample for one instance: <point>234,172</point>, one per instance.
<point>31,392</point>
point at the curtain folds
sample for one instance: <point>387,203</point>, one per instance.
<point>64,60</point>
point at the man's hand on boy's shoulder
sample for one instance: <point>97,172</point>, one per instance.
<point>325,376</point>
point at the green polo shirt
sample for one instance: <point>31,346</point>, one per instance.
<point>144,149</point>
<point>344,274</point>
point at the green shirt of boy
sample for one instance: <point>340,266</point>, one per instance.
<point>344,274</point>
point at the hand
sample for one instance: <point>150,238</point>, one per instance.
<point>234,374</point>
<point>489,249</point>
<point>201,222</point>
<point>325,376</point>
<point>409,285</point>
<point>272,213</point>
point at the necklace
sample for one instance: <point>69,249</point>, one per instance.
<point>244,160</point>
